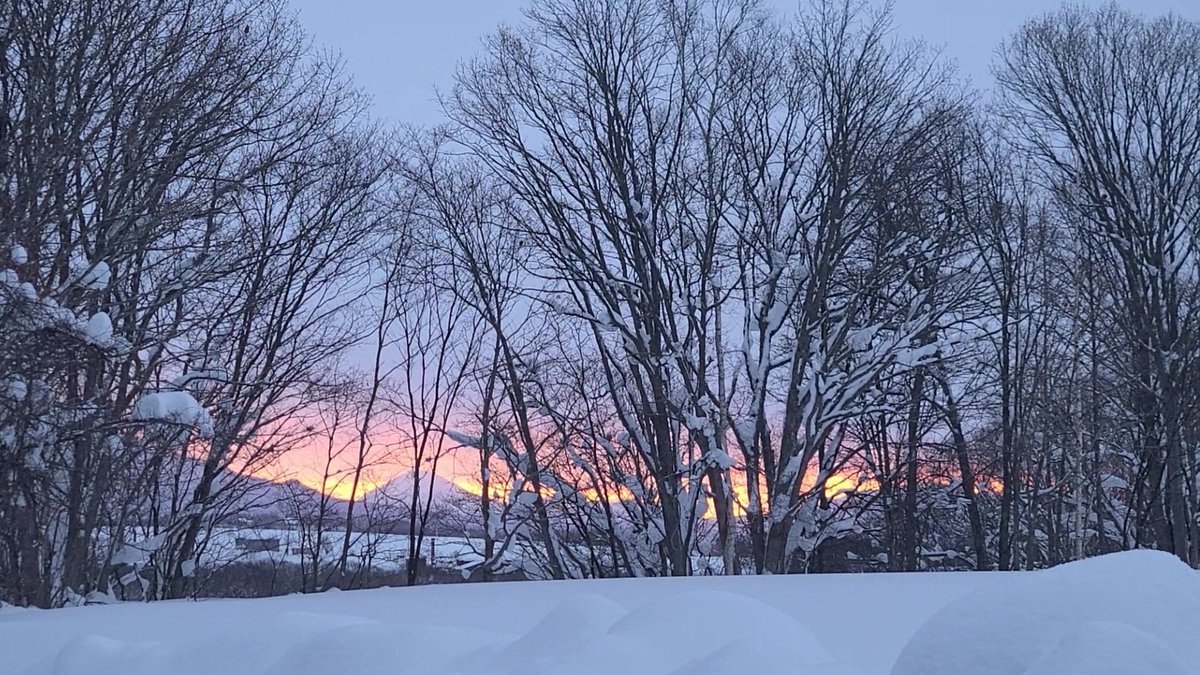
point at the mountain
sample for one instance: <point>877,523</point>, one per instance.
<point>249,498</point>
<point>400,489</point>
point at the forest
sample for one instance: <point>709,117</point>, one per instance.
<point>677,287</point>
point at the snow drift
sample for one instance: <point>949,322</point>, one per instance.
<point>1133,614</point>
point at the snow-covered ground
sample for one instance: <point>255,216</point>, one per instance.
<point>385,552</point>
<point>1130,614</point>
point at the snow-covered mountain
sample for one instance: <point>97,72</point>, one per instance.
<point>401,487</point>
<point>263,500</point>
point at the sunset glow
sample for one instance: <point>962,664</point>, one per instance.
<point>842,483</point>
<point>341,488</point>
<point>300,466</point>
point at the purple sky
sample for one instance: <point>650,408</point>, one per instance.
<point>399,50</point>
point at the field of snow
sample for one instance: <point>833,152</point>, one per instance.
<point>386,552</point>
<point>1130,614</point>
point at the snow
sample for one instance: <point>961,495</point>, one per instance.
<point>1084,614</point>
<point>387,552</point>
<point>720,459</point>
<point>178,407</point>
<point>99,329</point>
<point>18,255</point>
<point>1109,648</point>
<point>1129,613</point>
<point>139,552</point>
<point>98,277</point>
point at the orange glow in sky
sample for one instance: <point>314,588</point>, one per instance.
<point>303,465</point>
<point>341,487</point>
<point>838,484</point>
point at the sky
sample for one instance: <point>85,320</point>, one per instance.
<point>401,51</point>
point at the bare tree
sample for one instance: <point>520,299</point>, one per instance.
<point>1108,104</point>
<point>484,267</point>
<point>122,202</point>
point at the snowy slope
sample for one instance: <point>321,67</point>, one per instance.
<point>1106,616</point>
<point>240,495</point>
<point>816,624</point>
<point>399,490</point>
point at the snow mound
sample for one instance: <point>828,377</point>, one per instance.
<point>756,656</point>
<point>570,624</point>
<point>377,648</point>
<point>701,632</point>
<point>574,624</point>
<point>1083,614</point>
<point>710,617</point>
<point>1109,648</point>
<point>1132,614</point>
<point>608,654</point>
<point>719,626</point>
<point>87,653</point>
